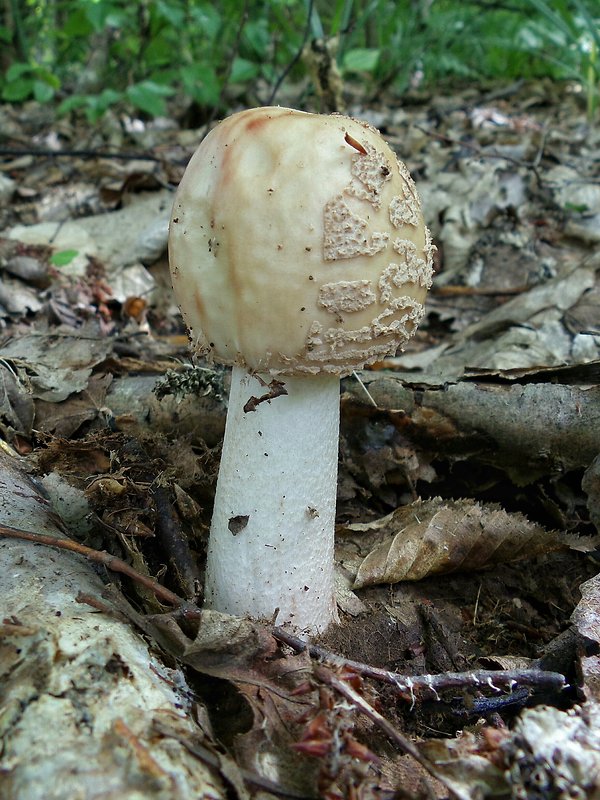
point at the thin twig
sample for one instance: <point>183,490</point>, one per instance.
<point>271,99</point>
<point>97,556</point>
<point>364,388</point>
<point>425,687</point>
<point>13,151</point>
<point>359,702</point>
<point>478,150</point>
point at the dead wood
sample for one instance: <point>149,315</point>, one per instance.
<point>81,692</point>
<point>528,430</point>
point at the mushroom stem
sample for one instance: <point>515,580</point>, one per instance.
<point>272,533</point>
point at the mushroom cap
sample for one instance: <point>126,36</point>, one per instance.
<point>297,244</point>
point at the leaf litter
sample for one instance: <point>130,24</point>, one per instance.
<point>473,449</point>
<point>435,537</point>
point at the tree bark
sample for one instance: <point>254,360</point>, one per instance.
<point>87,710</point>
<point>528,430</point>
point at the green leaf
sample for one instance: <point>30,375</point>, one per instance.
<point>578,208</point>
<point>63,257</point>
<point>243,70</point>
<point>96,14</point>
<point>42,91</point>
<point>77,25</point>
<point>590,23</point>
<point>557,22</point>
<point>71,103</point>
<point>361,59</point>
<point>149,97</point>
<point>171,13</point>
<point>17,70</point>
<point>43,74</point>
<point>200,81</point>
<point>159,52</point>
<point>95,105</point>
<point>17,90</point>
<point>206,19</point>
<point>257,35</point>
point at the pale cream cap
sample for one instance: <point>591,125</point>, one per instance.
<point>297,244</point>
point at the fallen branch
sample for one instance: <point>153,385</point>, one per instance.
<point>413,688</point>
<point>427,687</point>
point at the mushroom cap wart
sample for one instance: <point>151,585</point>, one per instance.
<point>297,244</point>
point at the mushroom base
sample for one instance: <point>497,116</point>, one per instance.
<point>270,552</point>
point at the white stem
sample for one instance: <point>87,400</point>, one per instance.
<point>271,539</point>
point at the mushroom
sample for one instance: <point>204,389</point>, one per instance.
<point>298,253</point>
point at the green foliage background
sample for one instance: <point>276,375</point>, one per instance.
<point>94,54</point>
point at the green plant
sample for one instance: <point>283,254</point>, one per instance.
<point>22,80</point>
<point>568,36</point>
<point>63,258</point>
<point>95,54</point>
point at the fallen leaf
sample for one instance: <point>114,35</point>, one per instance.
<point>440,536</point>
<point>56,364</point>
<point>586,620</point>
<point>65,418</point>
<point>466,766</point>
<point>16,404</point>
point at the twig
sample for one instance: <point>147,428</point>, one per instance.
<point>175,544</point>
<point>425,687</point>
<point>475,148</point>
<point>148,765</point>
<point>13,151</point>
<point>364,388</point>
<point>403,744</point>
<point>99,557</point>
<point>298,55</point>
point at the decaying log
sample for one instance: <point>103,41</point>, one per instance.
<point>86,709</point>
<point>133,398</point>
<point>529,430</point>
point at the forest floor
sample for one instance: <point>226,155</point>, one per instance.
<point>469,485</point>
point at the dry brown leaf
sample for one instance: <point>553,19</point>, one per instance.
<point>65,418</point>
<point>586,620</point>
<point>440,536</point>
